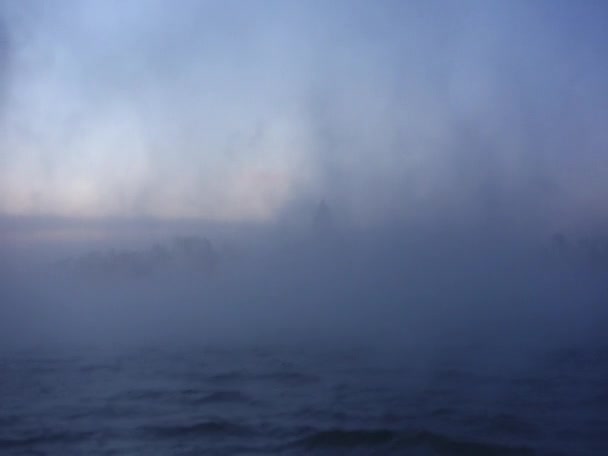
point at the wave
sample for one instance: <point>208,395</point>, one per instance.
<point>290,378</point>
<point>223,397</point>
<point>143,395</point>
<point>205,428</point>
<point>343,438</point>
<point>285,378</point>
<point>443,444</point>
<point>505,423</point>
<point>393,441</point>
<point>229,377</point>
<point>187,396</point>
<point>42,439</point>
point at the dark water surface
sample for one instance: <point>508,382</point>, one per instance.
<point>288,401</point>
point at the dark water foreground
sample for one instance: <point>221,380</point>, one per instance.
<point>287,401</point>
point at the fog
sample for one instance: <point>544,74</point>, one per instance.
<point>409,175</point>
<point>414,289</point>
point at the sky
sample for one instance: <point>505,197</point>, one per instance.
<point>448,140</point>
<point>237,111</point>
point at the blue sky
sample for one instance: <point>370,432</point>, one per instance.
<point>237,110</point>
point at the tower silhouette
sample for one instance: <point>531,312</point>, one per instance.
<point>323,221</point>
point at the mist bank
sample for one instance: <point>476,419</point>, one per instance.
<point>405,286</point>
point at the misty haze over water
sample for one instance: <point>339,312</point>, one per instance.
<point>303,228</point>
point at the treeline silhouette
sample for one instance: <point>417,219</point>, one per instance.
<point>186,253</point>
